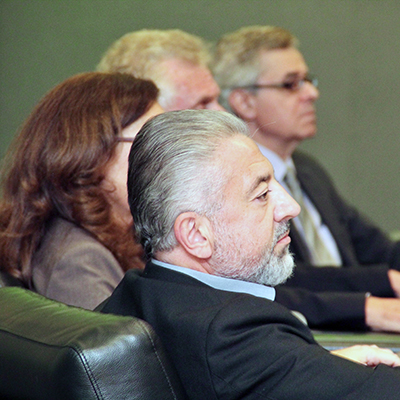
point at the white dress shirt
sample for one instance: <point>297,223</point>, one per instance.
<point>280,167</point>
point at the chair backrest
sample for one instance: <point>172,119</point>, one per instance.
<point>49,350</point>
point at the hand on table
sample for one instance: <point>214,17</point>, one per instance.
<point>382,314</point>
<point>394,279</point>
<point>369,355</point>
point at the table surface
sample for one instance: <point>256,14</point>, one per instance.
<point>337,340</point>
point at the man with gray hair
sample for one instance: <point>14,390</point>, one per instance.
<point>265,80</point>
<point>176,61</point>
<point>214,225</point>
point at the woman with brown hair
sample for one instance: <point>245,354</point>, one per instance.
<point>65,225</point>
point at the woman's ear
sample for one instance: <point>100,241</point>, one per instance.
<point>243,103</point>
<point>194,234</point>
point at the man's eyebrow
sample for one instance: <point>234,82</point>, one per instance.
<point>258,181</point>
<point>293,75</point>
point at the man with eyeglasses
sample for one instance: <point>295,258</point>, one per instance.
<point>264,79</point>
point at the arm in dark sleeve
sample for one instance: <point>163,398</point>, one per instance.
<point>325,310</point>
<point>258,353</point>
<point>373,279</point>
<point>371,244</point>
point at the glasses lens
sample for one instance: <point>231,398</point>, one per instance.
<point>312,79</point>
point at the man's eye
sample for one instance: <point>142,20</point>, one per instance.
<point>264,196</point>
<point>294,85</point>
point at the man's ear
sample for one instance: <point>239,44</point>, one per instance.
<point>194,234</point>
<point>243,103</point>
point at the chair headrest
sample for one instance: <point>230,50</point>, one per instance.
<point>49,350</point>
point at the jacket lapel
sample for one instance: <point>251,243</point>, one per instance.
<point>318,189</point>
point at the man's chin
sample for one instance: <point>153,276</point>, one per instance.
<point>287,265</point>
<point>277,270</point>
<point>288,274</point>
<point>282,252</point>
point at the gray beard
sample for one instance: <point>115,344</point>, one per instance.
<point>267,268</point>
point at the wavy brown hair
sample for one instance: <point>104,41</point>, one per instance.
<point>56,164</point>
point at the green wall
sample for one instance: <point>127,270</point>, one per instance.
<point>353,46</point>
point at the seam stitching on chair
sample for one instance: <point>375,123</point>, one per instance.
<point>158,357</point>
<point>91,374</point>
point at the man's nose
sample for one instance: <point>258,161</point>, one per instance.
<point>216,106</point>
<point>309,91</point>
<point>286,207</point>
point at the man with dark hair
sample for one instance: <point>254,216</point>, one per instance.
<point>214,224</point>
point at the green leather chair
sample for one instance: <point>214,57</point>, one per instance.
<point>51,351</point>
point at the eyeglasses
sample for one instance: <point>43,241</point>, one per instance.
<point>292,86</point>
<point>125,139</point>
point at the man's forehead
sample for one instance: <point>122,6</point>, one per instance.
<point>194,84</point>
<point>282,62</point>
<point>185,73</point>
<point>243,167</point>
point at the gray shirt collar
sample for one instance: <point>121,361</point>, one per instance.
<point>227,284</point>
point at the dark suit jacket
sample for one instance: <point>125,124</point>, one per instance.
<point>335,297</point>
<point>236,346</point>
